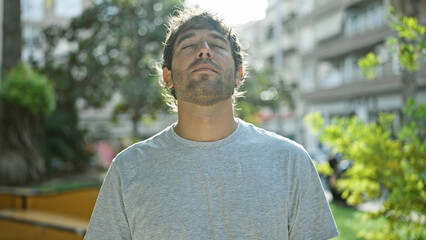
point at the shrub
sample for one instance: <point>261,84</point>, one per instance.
<point>28,89</point>
<point>386,161</point>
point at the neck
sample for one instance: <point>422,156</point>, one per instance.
<point>205,123</point>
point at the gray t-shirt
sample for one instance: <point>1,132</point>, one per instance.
<point>253,184</point>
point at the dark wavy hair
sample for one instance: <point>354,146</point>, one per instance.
<point>187,19</point>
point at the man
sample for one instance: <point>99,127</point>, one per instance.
<point>210,175</point>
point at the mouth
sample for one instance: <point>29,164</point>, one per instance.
<point>204,68</point>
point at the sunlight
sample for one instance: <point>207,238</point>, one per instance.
<point>233,11</point>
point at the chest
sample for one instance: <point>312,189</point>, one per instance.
<point>229,195</point>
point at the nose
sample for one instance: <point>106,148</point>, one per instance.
<point>204,51</point>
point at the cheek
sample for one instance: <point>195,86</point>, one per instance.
<point>179,64</point>
<point>177,77</point>
<point>230,75</point>
<point>227,60</point>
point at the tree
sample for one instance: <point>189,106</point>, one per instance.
<point>383,163</point>
<point>12,41</point>
<point>260,92</point>
<point>112,48</point>
<point>385,160</point>
<point>141,37</point>
<point>410,45</point>
<point>26,98</point>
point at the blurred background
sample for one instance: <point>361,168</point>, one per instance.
<point>346,79</point>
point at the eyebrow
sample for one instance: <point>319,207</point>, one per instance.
<point>191,34</point>
<point>218,37</point>
<point>185,36</point>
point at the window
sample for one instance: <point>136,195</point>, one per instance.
<point>307,40</point>
<point>270,61</point>
<point>32,10</point>
<point>328,75</point>
<point>289,27</point>
<point>381,51</point>
<point>328,26</point>
<point>377,13</point>
<point>307,79</point>
<point>68,9</point>
<point>396,65</point>
<point>32,36</point>
<point>32,45</point>
<point>350,68</point>
<point>306,6</point>
<point>350,23</point>
<point>269,33</point>
<point>364,18</point>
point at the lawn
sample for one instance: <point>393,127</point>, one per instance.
<point>350,221</point>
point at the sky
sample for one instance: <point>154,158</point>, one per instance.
<point>234,11</point>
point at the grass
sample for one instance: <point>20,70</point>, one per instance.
<point>351,221</point>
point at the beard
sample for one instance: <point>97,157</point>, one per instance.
<point>204,89</point>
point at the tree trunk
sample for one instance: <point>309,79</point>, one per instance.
<point>135,123</point>
<point>408,79</point>
<point>12,41</point>
<point>414,11</point>
<point>20,156</point>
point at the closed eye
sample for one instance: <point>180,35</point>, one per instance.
<point>218,46</point>
<point>188,46</point>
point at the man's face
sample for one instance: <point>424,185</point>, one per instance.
<point>203,69</point>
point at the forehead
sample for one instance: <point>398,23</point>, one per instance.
<point>195,33</point>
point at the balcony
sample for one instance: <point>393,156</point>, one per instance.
<point>355,89</point>
<point>347,44</point>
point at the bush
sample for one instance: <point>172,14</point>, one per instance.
<point>386,161</point>
<point>26,98</point>
<point>28,89</point>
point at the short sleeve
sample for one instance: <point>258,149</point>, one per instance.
<point>310,216</point>
<point>109,219</point>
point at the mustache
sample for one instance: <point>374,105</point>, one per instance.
<point>204,61</point>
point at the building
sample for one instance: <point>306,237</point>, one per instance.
<point>273,43</point>
<point>316,45</point>
<point>38,14</point>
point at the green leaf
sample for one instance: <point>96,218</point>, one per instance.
<point>28,89</point>
<point>368,65</point>
<point>314,122</point>
<point>380,161</point>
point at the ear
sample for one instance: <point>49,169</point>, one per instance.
<point>167,77</point>
<point>238,76</point>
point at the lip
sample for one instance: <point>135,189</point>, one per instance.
<point>204,68</point>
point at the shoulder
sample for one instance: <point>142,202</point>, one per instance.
<point>138,160</point>
<point>153,145</point>
<point>270,139</point>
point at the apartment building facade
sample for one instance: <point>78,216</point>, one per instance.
<point>316,45</point>
<point>37,15</point>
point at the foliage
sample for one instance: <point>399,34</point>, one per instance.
<point>64,149</point>
<point>411,45</point>
<point>323,169</point>
<point>114,48</point>
<point>28,89</point>
<point>383,163</point>
<point>369,64</point>
<point>26,99</point>
<point>127,41</point>
<point>111,49</point>
<point>262,91</point>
